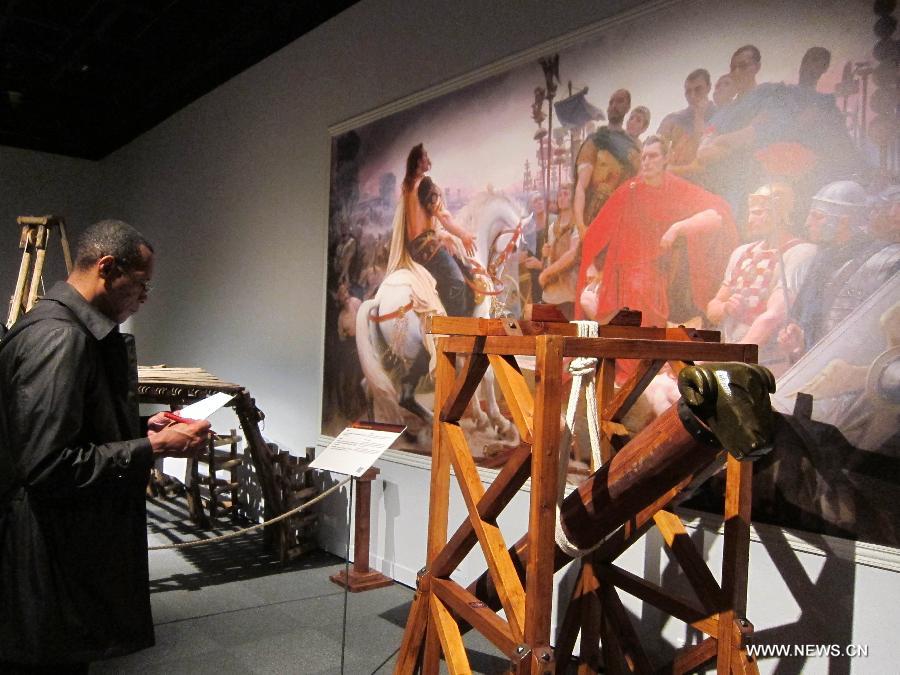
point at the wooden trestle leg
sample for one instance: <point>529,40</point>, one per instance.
<point>621,503</point>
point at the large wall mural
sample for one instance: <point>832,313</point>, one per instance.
<point>718,166</point>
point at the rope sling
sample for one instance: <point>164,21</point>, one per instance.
<point>584,375</point>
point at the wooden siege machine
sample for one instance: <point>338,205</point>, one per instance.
<point>618,505</point>
<point>284,481</point>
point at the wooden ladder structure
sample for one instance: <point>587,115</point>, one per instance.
<point>33,239</point>
<point>443,609</point>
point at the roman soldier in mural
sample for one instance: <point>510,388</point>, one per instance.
<point>849,265</point>
<point>684,129</point>
<point>762,277</point>
<point>662,244</point>
<point>560,275</point>
<point>605,160</point>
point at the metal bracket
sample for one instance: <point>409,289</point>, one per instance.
<point>511,326</point>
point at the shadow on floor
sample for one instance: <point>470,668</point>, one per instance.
<point>242,558</point>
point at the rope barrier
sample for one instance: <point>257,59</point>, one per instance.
<point>238,533</point>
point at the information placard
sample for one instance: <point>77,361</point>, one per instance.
<point>357,447</point>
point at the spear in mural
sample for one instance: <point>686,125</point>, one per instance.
<point>550,65</point>
<point>537,114</point>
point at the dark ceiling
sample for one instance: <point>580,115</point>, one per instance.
<point>84,77</point>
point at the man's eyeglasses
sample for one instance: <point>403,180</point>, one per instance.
<point>145,284</point>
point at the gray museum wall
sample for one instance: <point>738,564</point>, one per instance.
<point>233,190</point>
<point>35,183</point>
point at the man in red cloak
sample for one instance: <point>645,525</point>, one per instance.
<point>660,244</point>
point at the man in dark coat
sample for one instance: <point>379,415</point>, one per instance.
<point>74,465</point>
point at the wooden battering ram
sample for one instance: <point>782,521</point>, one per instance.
<point>613,509</point>
<point>283,480</point>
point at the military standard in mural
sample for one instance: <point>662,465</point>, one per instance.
<point>732,168</point>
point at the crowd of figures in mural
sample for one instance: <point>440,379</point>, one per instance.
<point>767,210</point>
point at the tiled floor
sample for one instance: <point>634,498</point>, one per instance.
<point>231,607</point>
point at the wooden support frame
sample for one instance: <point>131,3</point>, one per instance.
<point>33,240</point>
<point>443,610</point>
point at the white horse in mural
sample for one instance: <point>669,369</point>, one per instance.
<point>389,334</point>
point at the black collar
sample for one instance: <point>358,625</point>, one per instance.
<point>99,325</point>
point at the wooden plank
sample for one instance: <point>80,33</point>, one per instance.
<point>439,497</point>
<point>543,312</point>
<point>431,658</point>
<point>742,663</point>
<point>450,325</point>
<point>616,348</point>
<point>692,564</point>
<point>413,636</point>
<point>664,350</point>
<point>606,392</point>
<point>451,640</point>
<point>474,612</point>
<point>626,317</point>
<point>679,607</point>
<point>512,476</point>
<point>614,614</point>
<point>572,620</point>
<point>544,478</point>
<point>689,659</point>
<point>631,391</point>
<point>499,561</point>
<point>735,556</point>
<point>455,325</point>
<point>576,617</point>
<point>464,387</point>
<point>516,394</point>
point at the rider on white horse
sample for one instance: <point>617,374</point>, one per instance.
<point>420,245</point>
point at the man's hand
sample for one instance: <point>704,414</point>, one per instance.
<point>159,421</point>
<point>176,440</point>
<point>668,239</point>
<point>532,263</point>
<point>792,341</point>
<point>468,242</point>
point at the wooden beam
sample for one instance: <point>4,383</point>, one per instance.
<point>606,393</point>
<point>679,607</point>
<point>516,394</point>
<point>451,640</point>
<point>689,559</point>
<point>735,558</point>
<point>619,623</point>
<point>455,325</point>
<point>474,612</point>
<point>631,391</point>
<point>452,325</point>
<point>439,496</point>
<point>582,613</point>
<point>500,565</point>
<point>464,387</point>
<point>544,479</point>
<point>689,659</point>
<point>414,635</point>
<point>665,350</point>
<point>512,476</point>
